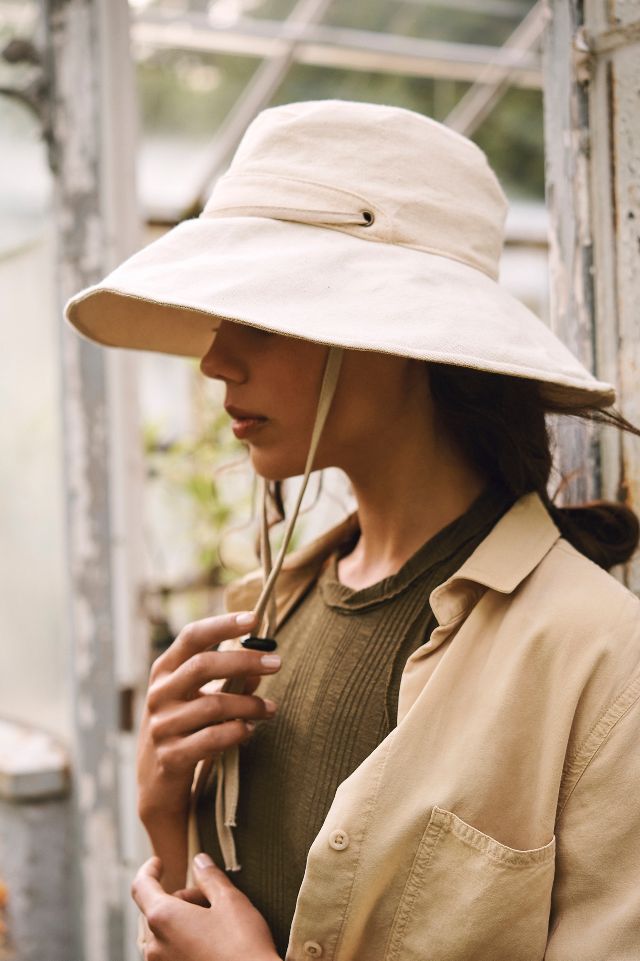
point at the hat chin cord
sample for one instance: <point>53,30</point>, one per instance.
<point>227,764</point>
<point>265,604</point>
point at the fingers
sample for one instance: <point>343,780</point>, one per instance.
<point>250,684</point>
<point>146,889</point>
<point>193,896</point>
<point>190,716</point>
<point>179,755</point>
<point>202,636</point>
<point>210,879</point>
<point>206,666</point>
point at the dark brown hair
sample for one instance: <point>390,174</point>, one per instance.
<point>501,424</point>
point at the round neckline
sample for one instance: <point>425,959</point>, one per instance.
<point>472,526</point>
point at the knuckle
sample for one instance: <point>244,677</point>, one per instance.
<point>168,760</point>
<point>237,731</point>
<point>215,706</point>
<point>187,635</point>
<point>154,696</point>
<point>157,919</point>
<point>261,708</point>
<point>197,665</point>
<point>156,727</point>
<point>214,738</point>
<point>223,735</point>
<point>157,667</point>
<point>227,896</point>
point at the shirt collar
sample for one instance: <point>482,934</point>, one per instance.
<point>507,555</point>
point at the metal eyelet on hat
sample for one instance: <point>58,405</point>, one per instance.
<point>368,218</point>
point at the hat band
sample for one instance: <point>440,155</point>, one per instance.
<point>459,235</point>
<point>315,218</point>
<point>287,198</point>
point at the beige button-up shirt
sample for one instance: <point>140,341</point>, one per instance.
<point>500,819</point>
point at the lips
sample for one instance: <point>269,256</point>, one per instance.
<point>245,422</point>
<point>238,414</point>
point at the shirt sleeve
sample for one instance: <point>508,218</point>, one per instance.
<point>595,911</point>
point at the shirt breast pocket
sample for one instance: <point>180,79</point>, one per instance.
<point>470,897</point>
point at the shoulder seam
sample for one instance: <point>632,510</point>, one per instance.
<point>577,766</point>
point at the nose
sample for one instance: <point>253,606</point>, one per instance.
<point>223,361</point>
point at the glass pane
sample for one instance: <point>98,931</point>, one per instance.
<point>415,93</point>
<point>34,658</point>
<point>513,138</point>
<point>222,12</point>
<point>219,10</point>
<point>464,21</point>
<point>184,97</point>
<point>188,93</point>
<point>460,21</point>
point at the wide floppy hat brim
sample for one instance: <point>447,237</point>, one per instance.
<point>330,287</point>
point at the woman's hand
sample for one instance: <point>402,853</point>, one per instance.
<point>183,724</point>
<point>224,926</point>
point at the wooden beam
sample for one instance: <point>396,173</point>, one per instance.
<point>92,151</point>
<point>592,75</point>
<point>335,47</point>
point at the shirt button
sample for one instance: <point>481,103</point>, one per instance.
<point>312,949</point>
<point>339,840</point>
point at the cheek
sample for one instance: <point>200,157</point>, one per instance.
<point>293,375</point>
<point>295,388</point>
<point>281,450</point>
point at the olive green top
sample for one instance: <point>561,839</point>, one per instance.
<point>343,653</point>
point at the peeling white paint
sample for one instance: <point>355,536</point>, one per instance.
<point>84,655</point>
<point>626,104</point>
<point>76,43</point>
<point>100,875</point>
<point>570,231</point>
<point>107,772</point>
<point>85,712</point>
<point>86,790</point>
<point>592,127</point>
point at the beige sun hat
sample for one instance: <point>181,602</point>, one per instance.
<point>349,224</point>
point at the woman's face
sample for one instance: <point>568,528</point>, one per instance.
<point>272,389</point>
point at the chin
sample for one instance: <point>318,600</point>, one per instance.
<point>274,468</point>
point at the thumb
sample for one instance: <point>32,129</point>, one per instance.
<point>209,878</point>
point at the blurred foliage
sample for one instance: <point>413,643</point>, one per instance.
<point>188,95</point>
<point>513,138</point>
<point>191,467</point>
<point>212,471</point>
<point>466,23</point>
<point>463,21</point>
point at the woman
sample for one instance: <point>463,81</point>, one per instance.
<point>444,763</point>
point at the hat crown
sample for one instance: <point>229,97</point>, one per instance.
<point>384,174</point>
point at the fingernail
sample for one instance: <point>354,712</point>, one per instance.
<point>270,706</point>
<point>245,618</point>
<point>250,726</point>
<point>270,660</point>
<point>202,861</point>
